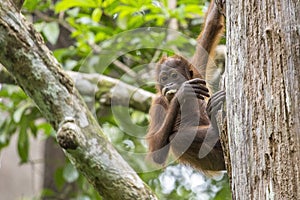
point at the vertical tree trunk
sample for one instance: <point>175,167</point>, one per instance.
<point>263,98</point>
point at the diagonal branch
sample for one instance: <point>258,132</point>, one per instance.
<point>24,54</point>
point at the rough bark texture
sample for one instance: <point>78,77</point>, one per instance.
<point>24,54</point>
<point>263,98</point>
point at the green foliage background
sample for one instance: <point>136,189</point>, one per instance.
<point>90,26</point>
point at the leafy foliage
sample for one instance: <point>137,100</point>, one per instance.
<point>19,115</point>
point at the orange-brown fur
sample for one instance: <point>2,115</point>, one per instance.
<point>170,125</point>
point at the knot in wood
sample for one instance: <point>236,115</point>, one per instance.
<point>67,136</point>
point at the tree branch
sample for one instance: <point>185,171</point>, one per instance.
<point>102,89</point>
<point>5,77</point>
<point>98,87</point>
<point>24,54</point>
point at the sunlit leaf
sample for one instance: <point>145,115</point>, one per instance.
<point>31,4</point>
<point>138,117</point>
<point>66,4</point>
<point>19,112</point>
<point>96,15</point>
<point>70,173</point>
<point>46,127</point>
<point>122,22</point>
<point>128,145</point>
<point>39,26</point>
<point>51,32</point>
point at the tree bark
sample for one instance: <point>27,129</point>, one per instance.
<point>24,54</point>
<point>263,98</point>
<point>101,88</point>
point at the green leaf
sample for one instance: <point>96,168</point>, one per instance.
<point>8,128</point>
<point>51,32</point>
<point>194,9</point>
<point>99,2</point>
<point>19,112</point>
<point>31,5</point>
<point>70,64</point>
<point>58,178</point>
<point>47,193</point>
<point>70,173</point>
<point>23,144</point>
<point>122,22</point>
<point>66,4</point>
<point>12,92</point>
<point>4,136</point>
<point>96,15</point>
<point>138,117</point>
<point>73,12</point>
<point>39,26</point>
<point>46,127</point>
<point>33,128</point>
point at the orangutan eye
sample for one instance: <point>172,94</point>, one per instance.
<point>163,77</point>
<point>174,75</point>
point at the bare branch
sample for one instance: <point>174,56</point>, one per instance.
<point>89,85</point>
<point>125,68</point>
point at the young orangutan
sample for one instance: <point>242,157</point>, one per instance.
<point>180,118</point>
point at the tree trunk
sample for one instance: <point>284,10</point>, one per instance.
<point>263,98</point>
